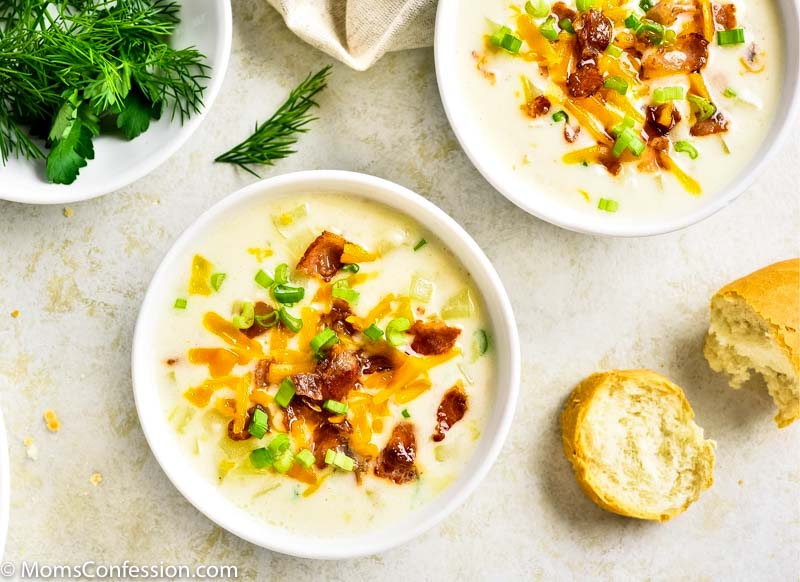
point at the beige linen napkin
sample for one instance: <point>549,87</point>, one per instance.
<point>359,32</point>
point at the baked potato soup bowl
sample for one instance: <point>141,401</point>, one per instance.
<point>325,364</point>
<point>619,117</point>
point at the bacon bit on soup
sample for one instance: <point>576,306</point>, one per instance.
<point>563,11</point>
<point>261,373</point>
<point>571,133</point>
<point>396,460</point>
<point>661,118</point>
<point>536,108</point>
<point>374,363</point>
<point>171,361</point>
<point>330,436</point>
<point>304,412</point>
<point>433,338</point>
<point>323,257</point>
<point>724,16</point>
<point>245,433</point>
<point>263,311</point>
<point>308,385</point>
<point>688,54</point>
<point>336,318</point>
<point>715,124</point>
<point>593,34</point>
<point>339,372</point>
<point>664,12</point>
<point>585,81</point>
<point>452,408</point>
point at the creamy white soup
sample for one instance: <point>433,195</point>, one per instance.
<point>327,362</point>
<point>621,107</point>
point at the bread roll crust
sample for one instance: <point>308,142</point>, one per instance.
<point>573,423</point>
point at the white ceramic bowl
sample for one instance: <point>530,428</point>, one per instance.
<point>205,24</point>
<point>5,485</point>
<point>548,208</point>
<point>204,495</point>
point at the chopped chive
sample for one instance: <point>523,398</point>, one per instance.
<point>421,243</point>
<point>614,50</point>
<point>290,322</point>
<point>323,340</point>
<point>498,35</point>
<point>278,444</point>
<point>180,303</point>
<point>373,332</point>
<point>733,36</point>
<point>565,24</point>
<point>341,289</point>
<point>287,294</point>
<point>268,320</point>
<point>216,280</point>
<point>686,148</point>
<point>305,458</point>
<point>633,23</point>
<point>627,121</point>
<point>511,43</point>
<point>730,93</point>
<point>282,274</point>
<point>585,4</point>
<point>705,109</point>
<point>285,393</point>
<point>263,279</point>
<point>395,330</point>
<point>259,424</point>
<point>246,316</point>
<point>330,456</point>
<point>284,461</point>
<point>406,413</point>
<point>608,205</point>
<point>548,28</point>
<point>617,84</point>
<point>628,140</point>
<point>537,8</point>
<point>335,406</point>
<point>260,458</point>
<point>351,268</point>
<point>560,116</point>
<point>480,343</point>
<point>664,94</point>
<point>339,460</point>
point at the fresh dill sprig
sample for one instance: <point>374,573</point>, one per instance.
<point>273,139</point>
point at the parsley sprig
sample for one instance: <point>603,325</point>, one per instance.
<point>273,139</point>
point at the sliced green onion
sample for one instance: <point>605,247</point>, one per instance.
<point>633,23</point>
<point>282,274</point>
<point>480,343</point>
<point>216,280</point>
<point>180,303</point>
<point>652,31</point>
<point>628,140</point>
<point>351,268</point>
<point>324,340</point>
<point>627,121</point>
<point>283,462</point>
<point>664,94</point>
<point>565,24</point>
<point>278,444</point>
<point>705,109</point>
<point>608,205</point>
<point>305,458</point>
<point>260,458</point>
<point>259,424</point>
<point>373,332</point>
<point>292,323</point>
<point>268,320</point>
<point>395,331</point>
<point>420,243</point>
<point>733,36</point>
<point>459,306</point>
<point>645,5</point>
<point>548,28</point>
<point>330,456</point>
<point>421,289</point>
<point>339,460</point>
<point>617,84</point>
<point>614,50</point>
<point>246,317</point>
<point>285,393</point>
<point>335,406</point>
<point>730,93</point>
<point>560,116</point>
<point>497,37</point>
<point>537,8</point>
<point>585,4</point>
<point>288,294</point>
<point>685,147</point>
<point>342,290</point>
<point>263,279</point>
<point>406,413</point>
<point>511,43</point>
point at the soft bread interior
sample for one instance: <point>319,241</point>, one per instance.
<point>644,451</point>
<point>740,342</point>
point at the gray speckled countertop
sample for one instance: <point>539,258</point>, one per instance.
<point>582,303</point>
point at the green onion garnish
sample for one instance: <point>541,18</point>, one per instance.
<point>733,36</point>
<point>305,458</point>
<point>351,268</point>
<point>342,290</point>
<point>285,393</point>
<point>645,5</point>
<point>406,413</point>
<point>627,121</point>
<point>283,462</point>
<point>260,458</point>
<point>263,279</point>
<point>373,332</point>
<point>335,406</point>
<point>633,23</point>
<point>548,28</point>
<point>330,456</point>
<point>664,94</point>
<point>730,93</point>
<point>652,31</point>
<point>617,84</point>
<point>324,340</point>
<point>628,140</point>
<point>268,320</point>
<point>480,343</point>
<point>216,280</point>
<point>395,330</point>
<point>565,24</point>
<point>247,314</point>
<point>608,205</point>
<point>288,294</point>
<point>614,50</point>
<point>421,243</point>
<point>705,109</point>
<point>282,274</point>
<point>180,303</point>
<point>259,424</point>
<point>511,43</point>
<point>686,148</point>
<point>278,444</point>
<point>537,8</point>
<point>339,460</point>
<point>561,116</point>
<point>292,323</point>
<point>585,4</point>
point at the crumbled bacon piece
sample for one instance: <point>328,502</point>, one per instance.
<point>336,318</point>
<point>396,460</point>
<point>607,158</point>
<point>452,408</point>
<point>593,32</point>
<point>724,16</point>
<point>664,12</point>
<point>327,436</point>
<point>563,11</point>
<point>536,108</point>
<point>433,337</point>
<point>305,411</point>
<point>261,374</point>
<point>308,385</point>
<point>339,372</point>
<point>571,133</point>
<point>688,54</point>
<point>245,434</point>
<point>715,124</point>
<point>373,363</point>
<point>260,309</point>
<point>659,143</point>
<point>661,118</point>
<point>323,257</point>
<point>584,81</point>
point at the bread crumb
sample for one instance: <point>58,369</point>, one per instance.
<point>50,418</point>
<point>68,212</point>
<point>15,313</point>
<point>31,450</point>
<point>96,479</point>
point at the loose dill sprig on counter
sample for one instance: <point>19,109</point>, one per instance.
<point>70,69</point>
<point>273,139</point>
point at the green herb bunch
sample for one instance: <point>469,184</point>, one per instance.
<point>70,69</point>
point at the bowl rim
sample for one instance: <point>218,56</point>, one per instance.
<point>76,192</point>
<point>781,124</point>
<point>489,284</point>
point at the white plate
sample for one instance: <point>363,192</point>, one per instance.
<point>205,24</point>
<point>146,368</point>
<point>525,195</point>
